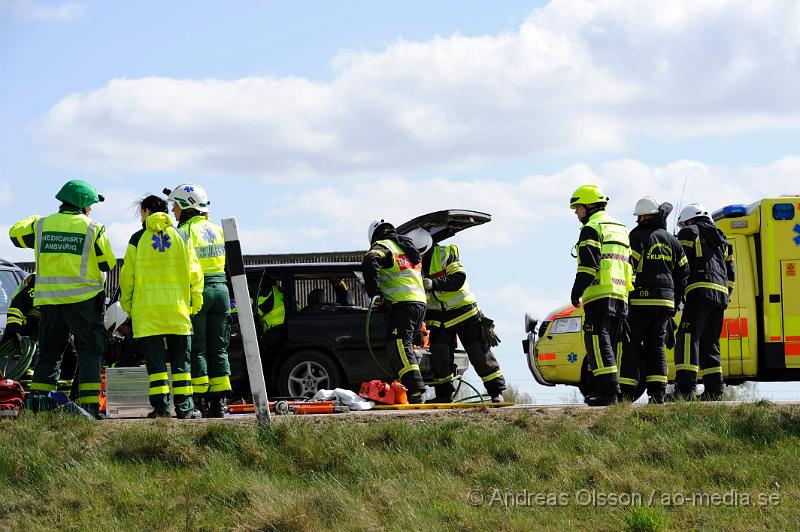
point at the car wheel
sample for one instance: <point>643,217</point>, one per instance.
<point>306,372</point>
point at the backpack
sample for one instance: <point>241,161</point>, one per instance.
<point>12,397</point>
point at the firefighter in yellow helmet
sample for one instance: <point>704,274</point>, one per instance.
<point>161,285</point>
<point>72,252</point>
<point>212,325</point>
<point>601,285</point>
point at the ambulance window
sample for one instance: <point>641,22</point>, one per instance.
<point>783,211</point>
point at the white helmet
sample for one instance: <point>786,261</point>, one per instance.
<point>693,210</point>
<point>646,205</point>
<point>421,238</point>
<point>373,227</point>
<point>189,196</point>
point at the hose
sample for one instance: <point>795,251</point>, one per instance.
<point>369,340</point>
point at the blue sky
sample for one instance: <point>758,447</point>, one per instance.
<point>305,120</point>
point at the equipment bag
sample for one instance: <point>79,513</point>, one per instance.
<point>12,396</point>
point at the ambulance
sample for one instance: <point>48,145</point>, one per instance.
<point>760,339</point>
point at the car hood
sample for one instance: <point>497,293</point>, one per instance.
<point>444,224</point>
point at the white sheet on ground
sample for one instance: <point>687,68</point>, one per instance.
<point>346,397</point>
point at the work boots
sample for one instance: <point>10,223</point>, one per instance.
<point>415,398</point>
<point>498,398</point>
<point>215,406</point>
<point>601,400</point>
<point>191,414</point>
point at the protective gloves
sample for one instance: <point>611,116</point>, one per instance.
<point>427,283</point>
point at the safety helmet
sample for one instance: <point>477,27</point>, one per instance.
<point>691,211</point>
<point>646,205</point>
<point>421,238</point>
<point>79,193</point>
<point>586,195</point>
<point>189,196</point>
<point>374,226</point>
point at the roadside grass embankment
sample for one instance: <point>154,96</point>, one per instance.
<point>621,468</point>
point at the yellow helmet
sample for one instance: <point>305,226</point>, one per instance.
<point>586,195</point>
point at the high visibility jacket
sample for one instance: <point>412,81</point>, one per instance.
<point>71,250</point>
<point>710,255</point>
<point>271,310</point>
<point>660,266</point>
<point>208,242</point>
<point>161,282</point>
<point>604,259</point>
<point>402,281</point>
<point>443,263</point>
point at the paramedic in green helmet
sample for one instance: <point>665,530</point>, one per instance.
<point>601,286</point>
<point>72,251</point>
<point>212,325</point>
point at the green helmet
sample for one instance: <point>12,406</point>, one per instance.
<point>587,195</point>
<point>79,193</point>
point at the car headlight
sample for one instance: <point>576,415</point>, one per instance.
<point>566,325</point>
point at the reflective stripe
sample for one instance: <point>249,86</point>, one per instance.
<point>89,400</point>
<point>686,243</point>
<point>710,286</point>
<point>636,255</point>
<point>684,260</point>
<point>89,386</point>
<point>66,293</point>
<point>698,247</point>
<point>433,323</point>
<point>219,384</point>
<point>710,371</point>
<point>656,378</point>
<point>401,349</point>
<point>652,303</point>
<point>593,243</point>
<point>605,371</point>
<point>687,350</point>
<point>463,317</point>
<point>406,369</point>
<point>182,390</point>
<point>200,380</point>
<point>686,367</point>
<point>586,269</point>
<point>43,387</point>
<point>596,348</point>
<point>444,380</point>
<point>492,376</point>
<point>159,390</point>
<point>181,376</point>
<point>629,382</point>
<point>158,376</point>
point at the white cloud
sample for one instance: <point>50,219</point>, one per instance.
<point>33,9</point>
<point>578,76</point>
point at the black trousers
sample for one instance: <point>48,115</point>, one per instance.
<point>403,322</point>
<point>444,331</point>
<point>697,348</point>
<point>643,354</point>
<point>601,336</point>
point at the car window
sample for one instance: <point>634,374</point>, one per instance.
<point>315,291</point>
<point>8,284</point>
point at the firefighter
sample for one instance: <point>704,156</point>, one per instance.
<point>453,312</point>
<point>22,319</point>
<point>601,285</point>
<point>710,286</point>
<point>212,325</point>
<point>72,252</point>
<point>161,285</point>
<point>271,316</point>
<point>660,273</point>
<point>392,268</point>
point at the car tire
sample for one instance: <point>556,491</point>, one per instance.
<point>306,372</point>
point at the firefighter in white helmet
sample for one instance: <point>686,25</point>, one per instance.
<point>212,325</point>
<point>392,268</point>
<point>660,273</point>
<point>710,286</point>
<point>453,313</point>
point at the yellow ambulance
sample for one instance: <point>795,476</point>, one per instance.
<point>760,338</point>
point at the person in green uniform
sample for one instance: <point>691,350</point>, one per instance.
<point>161,285</point>
<point>212,325</point>
<point>72,251</point>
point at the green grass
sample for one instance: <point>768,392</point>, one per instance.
<point>622,468</point>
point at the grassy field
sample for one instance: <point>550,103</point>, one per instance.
<point>623,468</point>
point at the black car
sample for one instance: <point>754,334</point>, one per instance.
<point>331,338</point>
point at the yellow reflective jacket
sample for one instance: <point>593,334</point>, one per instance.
<point>161,280</point>
<point>208,242</point>
<point>71,251</point>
